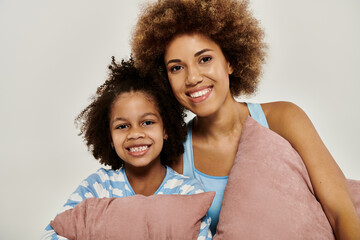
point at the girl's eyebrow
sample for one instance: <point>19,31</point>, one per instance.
<point>142,116</point>
<point>195,55</point>
<point>118,119</point>
<point>149,113</point>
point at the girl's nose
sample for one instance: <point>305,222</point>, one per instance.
<point>135,133</point>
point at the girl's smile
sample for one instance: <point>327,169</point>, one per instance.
<point>137,151</point>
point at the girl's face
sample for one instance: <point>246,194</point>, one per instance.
<point>136,129</point>
<point>198,73</point>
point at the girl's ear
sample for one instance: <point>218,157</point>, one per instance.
<point>165,135</point>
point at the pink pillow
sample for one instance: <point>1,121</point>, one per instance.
<point>135,217</point>
<point>269,194</point>
<point>355,189</point>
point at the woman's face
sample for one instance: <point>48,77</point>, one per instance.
<point>198,73</point>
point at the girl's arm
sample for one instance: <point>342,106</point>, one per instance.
<point>329,183</point>
<point>93,186</point>
<point>193,188</point>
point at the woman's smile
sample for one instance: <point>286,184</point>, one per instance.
<point>200,94</point>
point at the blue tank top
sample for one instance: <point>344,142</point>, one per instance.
<point>214,183</point>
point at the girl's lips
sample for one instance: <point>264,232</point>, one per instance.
<point>138,151</point>
<point>199,95</point>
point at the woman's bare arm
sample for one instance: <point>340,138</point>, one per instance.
<point>330,186</point>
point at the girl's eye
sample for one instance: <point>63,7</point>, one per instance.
<point>175,68</point>
<point>122,126</point>
<point>205,59</point>
<point>148,122</point>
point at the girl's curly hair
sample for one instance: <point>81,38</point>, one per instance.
<point>94,120</point>
<point>229,23</point>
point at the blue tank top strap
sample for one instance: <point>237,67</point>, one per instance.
<point>188,161</point>
<point>257,113</point>
<point>213,183</point>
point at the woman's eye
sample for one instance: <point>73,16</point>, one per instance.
<point>205,59</point>
<point>148,122</point>
<point>175,68</point>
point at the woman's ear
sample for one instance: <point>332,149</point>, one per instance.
<point>230,68</point>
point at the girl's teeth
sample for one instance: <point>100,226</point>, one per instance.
<point>138,149</point>
<point>200,93</point>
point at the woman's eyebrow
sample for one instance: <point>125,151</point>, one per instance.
<point>173,60</point>
<point>195,55</point>
<point>202,51</point>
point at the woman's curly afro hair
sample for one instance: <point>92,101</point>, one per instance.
<point>94,120</point>
<point>229,23</point>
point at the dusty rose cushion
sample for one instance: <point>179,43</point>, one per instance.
<point>135,217</point>
<point>355,189</point>
<point>269,194</point>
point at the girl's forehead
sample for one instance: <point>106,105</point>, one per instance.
<point>135,101</point>
<point>132,93</point>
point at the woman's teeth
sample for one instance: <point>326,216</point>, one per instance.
<point>200,93</point>
<point>138,149</point>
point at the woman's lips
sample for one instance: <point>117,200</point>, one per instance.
<point>199,95</point>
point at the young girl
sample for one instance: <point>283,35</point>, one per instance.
<point>137,129</point>
<point>211,52</point>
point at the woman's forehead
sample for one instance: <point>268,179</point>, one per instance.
<point>193,42</point>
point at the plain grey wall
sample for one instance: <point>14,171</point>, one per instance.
<point>53,55</point>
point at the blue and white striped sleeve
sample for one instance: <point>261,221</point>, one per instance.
<point>194,187</point>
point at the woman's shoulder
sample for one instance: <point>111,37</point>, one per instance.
<point>282,113</point>
<point>273,109</point>
<point>290,121</point>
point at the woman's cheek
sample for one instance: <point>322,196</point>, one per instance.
<point>175,85</point>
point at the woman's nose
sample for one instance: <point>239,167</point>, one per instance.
<point>193,76</point>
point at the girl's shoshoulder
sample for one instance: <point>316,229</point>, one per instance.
<point>174,182</point>
<point>180,184</point>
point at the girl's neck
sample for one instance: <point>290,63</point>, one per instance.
<point>146,180</point>
<point>228,120</point>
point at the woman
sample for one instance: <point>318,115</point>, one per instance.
<point>211,52</point>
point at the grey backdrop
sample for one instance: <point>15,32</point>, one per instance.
<point>53,55</point>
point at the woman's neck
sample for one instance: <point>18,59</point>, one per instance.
<point>227,121</point>
<point>146,180</point>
